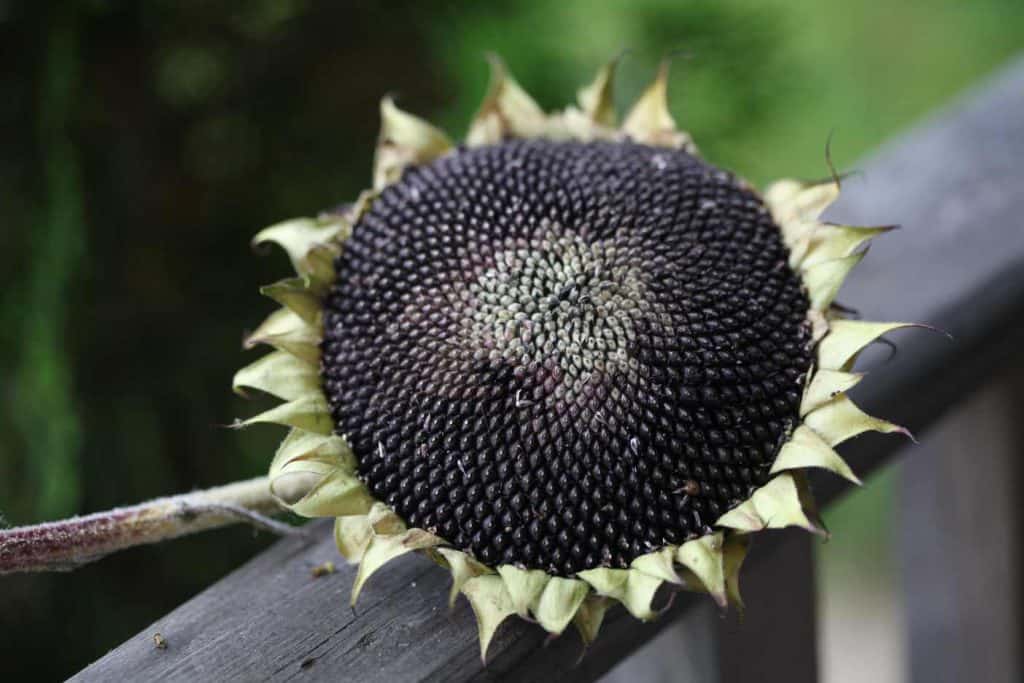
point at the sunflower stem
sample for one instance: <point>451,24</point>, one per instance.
<point>67,544</point>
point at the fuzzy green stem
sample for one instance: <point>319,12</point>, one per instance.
<point>70,543</point>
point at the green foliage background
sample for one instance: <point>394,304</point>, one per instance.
<point>141,144</point>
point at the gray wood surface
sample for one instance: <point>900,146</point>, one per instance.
<point>685,650</point>
<point>954,183</point>
<point>777,638</point>
<point>961,537</point>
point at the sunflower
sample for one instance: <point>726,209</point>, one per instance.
<point>568,360</point>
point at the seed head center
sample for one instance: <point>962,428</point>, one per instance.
<point>555,303</point>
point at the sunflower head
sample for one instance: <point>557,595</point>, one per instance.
<point>570,362</point>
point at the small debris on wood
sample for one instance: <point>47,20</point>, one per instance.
<point>322,569</point>
<point>159,642</point>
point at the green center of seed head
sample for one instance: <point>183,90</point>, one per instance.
<point>555,301</point>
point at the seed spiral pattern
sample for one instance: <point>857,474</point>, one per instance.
<point>564,355</point>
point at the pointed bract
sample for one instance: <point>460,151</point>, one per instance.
<point>299,237</point>
<point>507,111</point>
<point>404,140</point>
<point>279,374</point>
<point>285,331</point>
<point>823,280</point>
<point>836,241</point>
<point>590,616</point>
<point>703,557</point>
<point>384,521</point>
<point>798,235</point>
<point>650,122</point>
<point>733,554</point>
<point>846,338</point>
<point>491,604</point>
<point>335,493</point>
<point>776,505</point>
<point>659,564</point>
<point>794,200</point>
<point>826,385</point>
<point>303,461</point>
<point>382,549</point>
<point>597,100</point>
<point>302,445</point>
<point>463,568</point>
<point>352,534</point>
<point>806,449</point>
<point>634,589</point>
<point>559,602</point>
<point>309,412</point>
<point>319,267</point>
<point>840,419</point>
<point>297,295</point>
<point>524,586</point>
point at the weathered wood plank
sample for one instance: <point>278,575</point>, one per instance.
<point>686,650</point>
<point>959,263</point>
<point>777,638</point>
<point>961,537</point>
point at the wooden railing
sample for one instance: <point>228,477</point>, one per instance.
<point>955,183</point>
